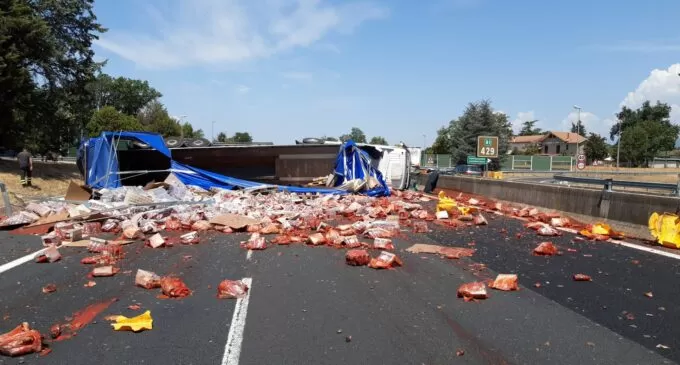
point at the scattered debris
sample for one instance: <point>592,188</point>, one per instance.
<point>505,282</point>
<point>582,277</point>
<point>255,242</point>
<point>104,271</point>
<point>472,291</point>
<point>190,238</point>
<point>386,260</point>
<point>545,249</point>
<point>382,244</point>
<point>156,240</point>
<point>174,287</point>
<point>49,288</point>
<point>51,254</point>
<point>357,257</point>
<point>55,331</point>
<point>460,352</point>
<point>316,239</point>
<point>135,324</point>
<point>649,294</point>
<point>480,220</point>
<point>20,341</point>
<point>448,252</point>
<point>348,339</point>
<point>147,279</point>
<point>134,307</point>
<point>660,346</point>
<point>90,284</point>
<point>232,289</point>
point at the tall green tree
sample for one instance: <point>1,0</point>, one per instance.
<point>109,119</point>
<point>529,128</point>
<point>378,140</point>
<point>189,132</point>
<point>595,147</point>
<point>46,61</point>
<point>441,144</point>
<point>478,119</point>
<point>579,128</point>
<point>356,134</point>
<point>242,137</point>
<point>128,96</point>
<point>222,137</point>
<point>645,132</point>
<point>154,117</point>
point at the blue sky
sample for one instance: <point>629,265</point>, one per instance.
<point>287,69</point>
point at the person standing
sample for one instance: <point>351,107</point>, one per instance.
<point>26,165</point>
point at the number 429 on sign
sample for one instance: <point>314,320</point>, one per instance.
<point>487,151</point>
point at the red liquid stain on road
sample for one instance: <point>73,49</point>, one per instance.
<point>83,318</point>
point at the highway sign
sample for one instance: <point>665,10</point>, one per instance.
<point>581,165</point>
<point>581,157</point>
<point>487,146</point>
<point>472,160</point>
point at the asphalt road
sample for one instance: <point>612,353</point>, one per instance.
<point>305,302</point>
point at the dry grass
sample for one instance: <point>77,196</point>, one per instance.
<point>49,179</point>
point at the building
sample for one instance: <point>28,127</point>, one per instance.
<point>550,143</point>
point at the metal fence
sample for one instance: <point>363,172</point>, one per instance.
<point>511,163</point>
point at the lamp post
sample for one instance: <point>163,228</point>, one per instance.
<point>181,130</point>
<point>578,129</point>
<point>618,144</point>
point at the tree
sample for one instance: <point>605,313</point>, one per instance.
<point>242,137</point>
<point>532,149</point>
<point>330,139</point>
<point>154,117</point>
<point>356,134</point>
<point>529,129</point>
<point>45,62</point>
<point>595,147</point>
<point>128,96</point>
<point>645,131</point>
<point>189,132</point>
<point>478,119</point>
<point>109,119</point>
<point>579,128</point>
<point>379,140</point>
<point>442,144</point>
<point>222,137</point>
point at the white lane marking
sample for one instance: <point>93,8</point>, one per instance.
<point>633,246</point>
<point>12,264</point>
<point>249,255</point>
<point>232,350</point>
<point>647,249</point>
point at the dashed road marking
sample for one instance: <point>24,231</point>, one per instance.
<point>12,264</point>
<point>232,350</point>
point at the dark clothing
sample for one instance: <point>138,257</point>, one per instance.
<point>431,183</point>
<point>24,159</point>
<point>26,176</point>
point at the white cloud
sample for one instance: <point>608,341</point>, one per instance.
<point>242,89</point>
<point>521,118</point>
<point>661,85</point>
<point>231,31</point>
<point>590,121</point>
<point>297,75</point>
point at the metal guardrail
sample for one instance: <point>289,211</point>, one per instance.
<point>608,184</point>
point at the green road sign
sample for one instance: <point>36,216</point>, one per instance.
<point>472,160</point>
<point>487,146</point>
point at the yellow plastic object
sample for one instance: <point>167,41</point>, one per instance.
<point>446,203</point>
<point>601,229</point>
<point>665,228</point>
<point>135,324</point>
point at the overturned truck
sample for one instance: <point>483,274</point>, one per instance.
<point>136,158</point>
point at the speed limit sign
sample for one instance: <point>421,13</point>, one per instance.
<point>581,157</point>
<point>581,165</point>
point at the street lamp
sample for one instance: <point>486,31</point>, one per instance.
<point>578,128</point>
<point>618,144</point>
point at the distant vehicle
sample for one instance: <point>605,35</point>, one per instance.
<point>472,170</point>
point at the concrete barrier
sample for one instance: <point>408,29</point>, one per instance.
<point>616,206</point>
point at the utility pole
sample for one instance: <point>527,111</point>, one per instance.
<point>578,129</point>
<point>618,144</point>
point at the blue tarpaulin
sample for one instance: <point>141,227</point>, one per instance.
<point>354,163</point>
<point>100,158</point>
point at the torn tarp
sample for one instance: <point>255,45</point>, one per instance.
<point>353,167</point>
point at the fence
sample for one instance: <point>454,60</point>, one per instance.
<point>511,163</point>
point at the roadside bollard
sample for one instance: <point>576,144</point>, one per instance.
<point>5,198</point>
